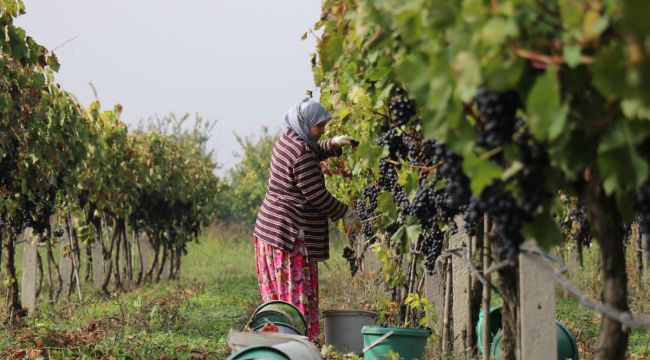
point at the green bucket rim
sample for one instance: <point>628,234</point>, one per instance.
<point>281,302</point>
<point>498,337</point>
<point>397,331</point>
<point>262,318</point>
<point>280,324</point>
<point>336,313</point>
<point>243,351</point>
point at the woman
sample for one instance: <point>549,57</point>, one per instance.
<point>291,231</point>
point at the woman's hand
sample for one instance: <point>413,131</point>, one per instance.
<point>343,140</point>
<point>351,221</point>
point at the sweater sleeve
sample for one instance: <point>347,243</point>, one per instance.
<point>327,149</point>
<point>311,183</point>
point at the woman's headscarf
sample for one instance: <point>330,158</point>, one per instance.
<point>302,117</point>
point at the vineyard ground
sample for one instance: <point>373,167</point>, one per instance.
<point>190,317</point>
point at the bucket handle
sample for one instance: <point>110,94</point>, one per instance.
<point>376,342</point>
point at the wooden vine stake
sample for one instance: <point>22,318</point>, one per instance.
<point>485,254</point>
<point>97,253</point>
<point>28,293</point>
<point>434,286</point>
<point>446,313</point>
<point>460,294</point>
<point>65,264</point>
<point>537,306</point>
<point>644,247</point>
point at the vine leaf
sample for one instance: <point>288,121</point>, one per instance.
<point>369,155</point>
<point>481,172</point>
<point>619,164</point>
<point>17,42</point>
<point>469,70</point>
<point>543,230</point>
<point>406,234</point>
<point>546,113</point>
<point>409,179</point>
<point>572,55</point>
<point>386,205</point>
<point>610,73</point>
<point>413,233</point>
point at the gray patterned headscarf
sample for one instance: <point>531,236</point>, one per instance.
<point>302,117</point>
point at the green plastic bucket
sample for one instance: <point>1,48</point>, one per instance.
<point>278,311</point>
<point>566,344</point>
<point>495,325</point>
<point>290,350</point>
<point>410,344</point>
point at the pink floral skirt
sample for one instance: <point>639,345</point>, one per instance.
<point>289,277</point>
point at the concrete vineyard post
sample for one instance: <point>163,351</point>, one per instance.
<point>97,253</point>
<point>66,263</point>
<point>537,307</point>
<point>460,291</point>
<point>28,293</point>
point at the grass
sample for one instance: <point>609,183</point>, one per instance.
<point>585,323</point>
<point>188,318</point>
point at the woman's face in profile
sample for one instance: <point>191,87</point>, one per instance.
<point>318,130</point>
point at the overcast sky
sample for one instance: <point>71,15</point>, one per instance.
<point>240,62</point>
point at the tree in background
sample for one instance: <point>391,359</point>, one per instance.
<point>248,179</point>
<point>194,136</point>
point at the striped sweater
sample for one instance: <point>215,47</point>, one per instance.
<point>297,197</point>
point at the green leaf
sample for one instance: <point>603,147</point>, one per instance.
<point>413,71</point>
<point>400,237</point>
<point>572,13</point>
<point>409,179</point>
<point>387,207</point>
<point>547,115</point>
<point>502,73</point>
<point>329,50</point>
<point>482,172</point>
<point>619,164</point>
<point>380,71</point>
<point>53,62</point>
<point>543,230</point>
<point>610,71</point>
<point>17,42</point>
<point>369,155</point>
<point>413,233</point>
<point>467,67</point>
<point>635,109</point>
<point>572,54</point>
<point>38,79</point>
<point>497,30</point>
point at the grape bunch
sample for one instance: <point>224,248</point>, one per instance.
<point>497,112</point>
<point>431,245</point>
<point>350,256</point>
<point>402,109</point>
<point>387,176</point>
<point>424,207</point>
<point>580,225</point>
<point>457,183</point>
<point>471,216</point>
<point>532,177</point>
<point>393,140</point>
<point>506,216</point>
<point>367,209</point>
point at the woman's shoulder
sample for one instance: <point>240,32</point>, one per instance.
<point>292,143</point>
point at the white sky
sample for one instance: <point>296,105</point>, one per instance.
<point>240,62</point>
